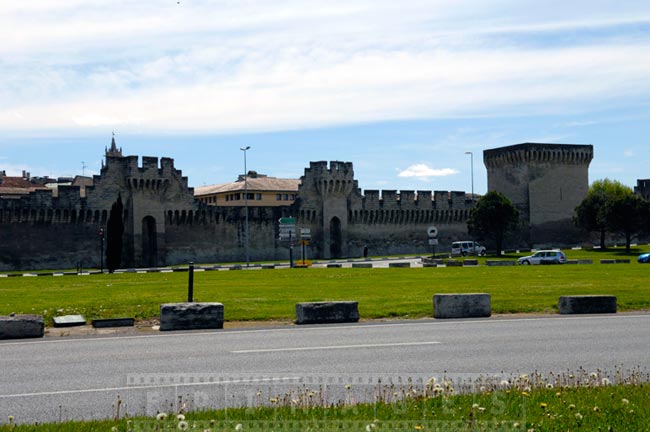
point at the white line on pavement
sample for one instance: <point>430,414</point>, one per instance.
<point>333,347</point>
<point>144,387</point>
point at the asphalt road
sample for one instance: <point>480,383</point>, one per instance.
<point>62,379</point>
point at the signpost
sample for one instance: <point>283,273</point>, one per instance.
<point>432,232</point>
<point>101,250</point>
<point>288,233</point>
<point>305,236</point>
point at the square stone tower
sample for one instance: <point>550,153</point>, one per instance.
<point>546,182</point>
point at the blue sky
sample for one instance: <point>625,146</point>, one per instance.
<point>401,89</point>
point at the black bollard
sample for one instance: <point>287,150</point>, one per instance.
<point>190,287</point>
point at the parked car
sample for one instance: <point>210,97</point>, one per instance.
<point>644,258</point>
<point>554,256</point>
<point>467,247</point>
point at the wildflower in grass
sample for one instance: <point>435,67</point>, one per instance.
<point>239,427</point>
<point>579,416</point>
<point>418,427</point>
<point>180,417</point>
<point>606,382</point>
<point>11,419</point>
<point>370,427</point>
<point>543,405</point>
<point>182,425</point>
<point>114,429</point>
<point>481,409</point>
<point>572,407</point>
<point>348,386</point>
<point>593,375</point>
<point>596,409</point>
<point>161,417</point>
<point>524,393</point>
<point>549,386</point>
<point>475,406</point>
<point>505,383</point>
<point>631,411</point>
<point>625,401</point>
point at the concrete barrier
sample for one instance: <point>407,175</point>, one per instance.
<point>113,322</point>
<point>587,304</point>
<point>470,262</point>
<point>334,265</point>
<point>614,261</point>
<point>399,265</point>
<point>453,263</point>
<point>462,306</point>
<point>585,261</point>
<point>191,316</point>
<point>327,312</point>
<point>362,265</point>
<point>21,326</point>
<point>500,263</point>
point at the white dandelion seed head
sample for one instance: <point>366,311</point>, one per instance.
<point>625,401</point>
<point>180,417</point>
<point>161,416</point>
<point>183,425</point>
<point>239,427</point>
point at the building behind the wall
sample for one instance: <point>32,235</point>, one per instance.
<point>642,188</point>
<point>546,182</point>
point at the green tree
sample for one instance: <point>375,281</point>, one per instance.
<point>114,232</point>
<point>493,216</point>
<point>627,215</point>
<point>592,213</point>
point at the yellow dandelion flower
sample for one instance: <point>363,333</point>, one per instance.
<point>543,405</point>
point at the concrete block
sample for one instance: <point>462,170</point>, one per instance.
<point>462,306</point>
<point>21,326</point>
<point>454,263</point>
<point>191,316</point>
<point>608,261</point>
<point>587,304</point>
<point>362,265</point>
<point>470,262</point>
<point>113,322</point>
<point>400,265</point>
<point>69,321</point>
<point>585,261</point>
<point>334,266</point>
<point>268,267</point>
<point>500,263</point>
<point>327,312</point>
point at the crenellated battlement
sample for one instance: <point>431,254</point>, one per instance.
<point>408,199</point>
<point>535,153</point>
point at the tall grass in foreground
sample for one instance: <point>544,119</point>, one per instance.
<point>567,401</point>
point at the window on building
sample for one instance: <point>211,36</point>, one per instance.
<point>278,197</point>
<point>258,197</point>
<point>292,197</point>
<point>227,197</point>
<point>250,195</point>
<point>285,197</point>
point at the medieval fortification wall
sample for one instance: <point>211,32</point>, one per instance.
<point>546,182</point>
<point>165,225</point>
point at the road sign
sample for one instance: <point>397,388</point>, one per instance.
<point>433,242</point>
<point>432,231</point>
<point>305,233</point>
<point>287,229</point>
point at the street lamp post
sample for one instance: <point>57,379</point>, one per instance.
<point>248,258</point>
<point>471,156</point>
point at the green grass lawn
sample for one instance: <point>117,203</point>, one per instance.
<point>382,293</point>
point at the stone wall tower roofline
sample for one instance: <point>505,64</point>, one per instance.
<point>113,151</point>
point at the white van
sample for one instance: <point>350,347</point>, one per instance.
<point>467,247</point>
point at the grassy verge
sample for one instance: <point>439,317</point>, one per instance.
<point>569,401</point>
<point>272,294</point>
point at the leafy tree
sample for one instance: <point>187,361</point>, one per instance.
<point>493,216</point>
<point>592,213</point>
<point>628,215</point>
<point>114,232</point>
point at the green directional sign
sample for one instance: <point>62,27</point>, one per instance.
<point>287,221</point>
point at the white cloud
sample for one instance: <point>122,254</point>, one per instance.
<point>227,65</point>
<point>424,172</point>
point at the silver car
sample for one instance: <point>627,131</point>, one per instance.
<point>554,256</point>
